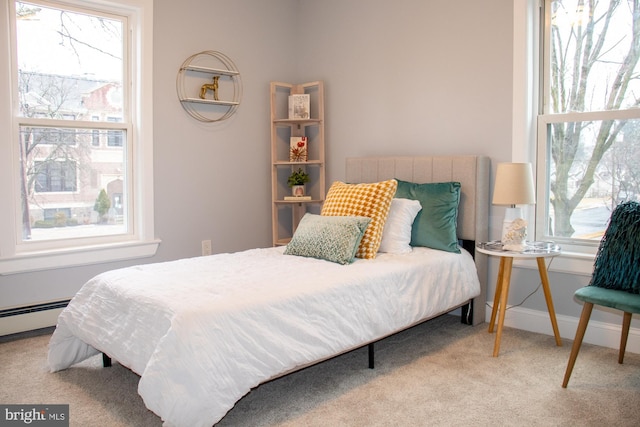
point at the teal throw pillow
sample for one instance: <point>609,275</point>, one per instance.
<point>435,225</point>
<point>332,238</point>
<point>617,263</point>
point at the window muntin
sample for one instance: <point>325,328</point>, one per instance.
<point>70,72</point>
<point>587,132</point>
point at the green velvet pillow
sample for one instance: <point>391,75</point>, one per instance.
<point>332,238</point>
<point>435,225</point>
<point>617,263</point>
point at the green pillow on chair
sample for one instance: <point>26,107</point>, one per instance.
<point>618,257</point>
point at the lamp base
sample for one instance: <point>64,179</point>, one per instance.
<point>514,230</point>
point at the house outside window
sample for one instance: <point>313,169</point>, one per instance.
<point>81,133</point>
<point>588,133</point>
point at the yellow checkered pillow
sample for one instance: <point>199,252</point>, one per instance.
<point>372,200</point>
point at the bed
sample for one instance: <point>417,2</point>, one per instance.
<point>202,332</point>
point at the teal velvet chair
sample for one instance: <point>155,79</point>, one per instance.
<point>616,277</point>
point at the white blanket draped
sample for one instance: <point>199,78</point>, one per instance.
<point>201,332</point>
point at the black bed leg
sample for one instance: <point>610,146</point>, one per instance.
<point>467,313</point>
<point>106,360</point>
<point>371,356</point>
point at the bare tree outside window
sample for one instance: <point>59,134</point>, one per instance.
<point>593,131</point>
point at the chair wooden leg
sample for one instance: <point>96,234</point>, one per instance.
<point>577,342</point>
<point>626,322</point>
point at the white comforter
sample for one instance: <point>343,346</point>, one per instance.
<point>202,332</point>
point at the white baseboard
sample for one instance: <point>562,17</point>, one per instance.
<point>598,333</point>
<point>29,321</point>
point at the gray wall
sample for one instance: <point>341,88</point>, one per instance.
<point>404,78</point>
<point>200,170</point>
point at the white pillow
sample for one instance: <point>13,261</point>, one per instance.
<point>396,235</point>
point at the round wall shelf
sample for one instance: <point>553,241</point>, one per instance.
<point>209,86</point>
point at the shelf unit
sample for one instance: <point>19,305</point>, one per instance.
<point>190,79</point>
<point>286,214</point>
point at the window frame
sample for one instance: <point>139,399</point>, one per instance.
<point>529,143</point>
<point>578,255</point>
<point>140,241</point>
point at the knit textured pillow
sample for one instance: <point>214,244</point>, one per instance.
<point>371,200</point>
<point>332,238</point>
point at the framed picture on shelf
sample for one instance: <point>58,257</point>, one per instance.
<point>299,106</point>
<point>298,149</point>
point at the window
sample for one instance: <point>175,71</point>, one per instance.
<point>95,138</point>
<point>57,214</point>
<point>588,135</point>
<point>114,137</point>
<point>95,134</point>
<point>71,64</point>
<point>84,83</point>
<point>55,176</point>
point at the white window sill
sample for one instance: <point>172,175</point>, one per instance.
<point>48,260</point>
<point>567,262</point>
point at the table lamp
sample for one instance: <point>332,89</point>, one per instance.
<point>514,186</point>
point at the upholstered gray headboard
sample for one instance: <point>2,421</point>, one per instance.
<point>472,172</point>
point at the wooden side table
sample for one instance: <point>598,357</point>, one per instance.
<point>537,250</point>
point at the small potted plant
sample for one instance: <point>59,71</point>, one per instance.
<point>296,181</point>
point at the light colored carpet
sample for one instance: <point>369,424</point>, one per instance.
<point>440,373</point>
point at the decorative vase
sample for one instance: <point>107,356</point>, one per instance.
<point>514,234</point>
<point>297,190</point>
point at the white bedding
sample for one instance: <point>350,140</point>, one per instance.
<point>202,332</point>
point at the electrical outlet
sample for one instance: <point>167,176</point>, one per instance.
<point>206,247</point>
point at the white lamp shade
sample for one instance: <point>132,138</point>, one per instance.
<point>514,185</point>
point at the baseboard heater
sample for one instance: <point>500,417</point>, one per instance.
<point>30,317</point>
